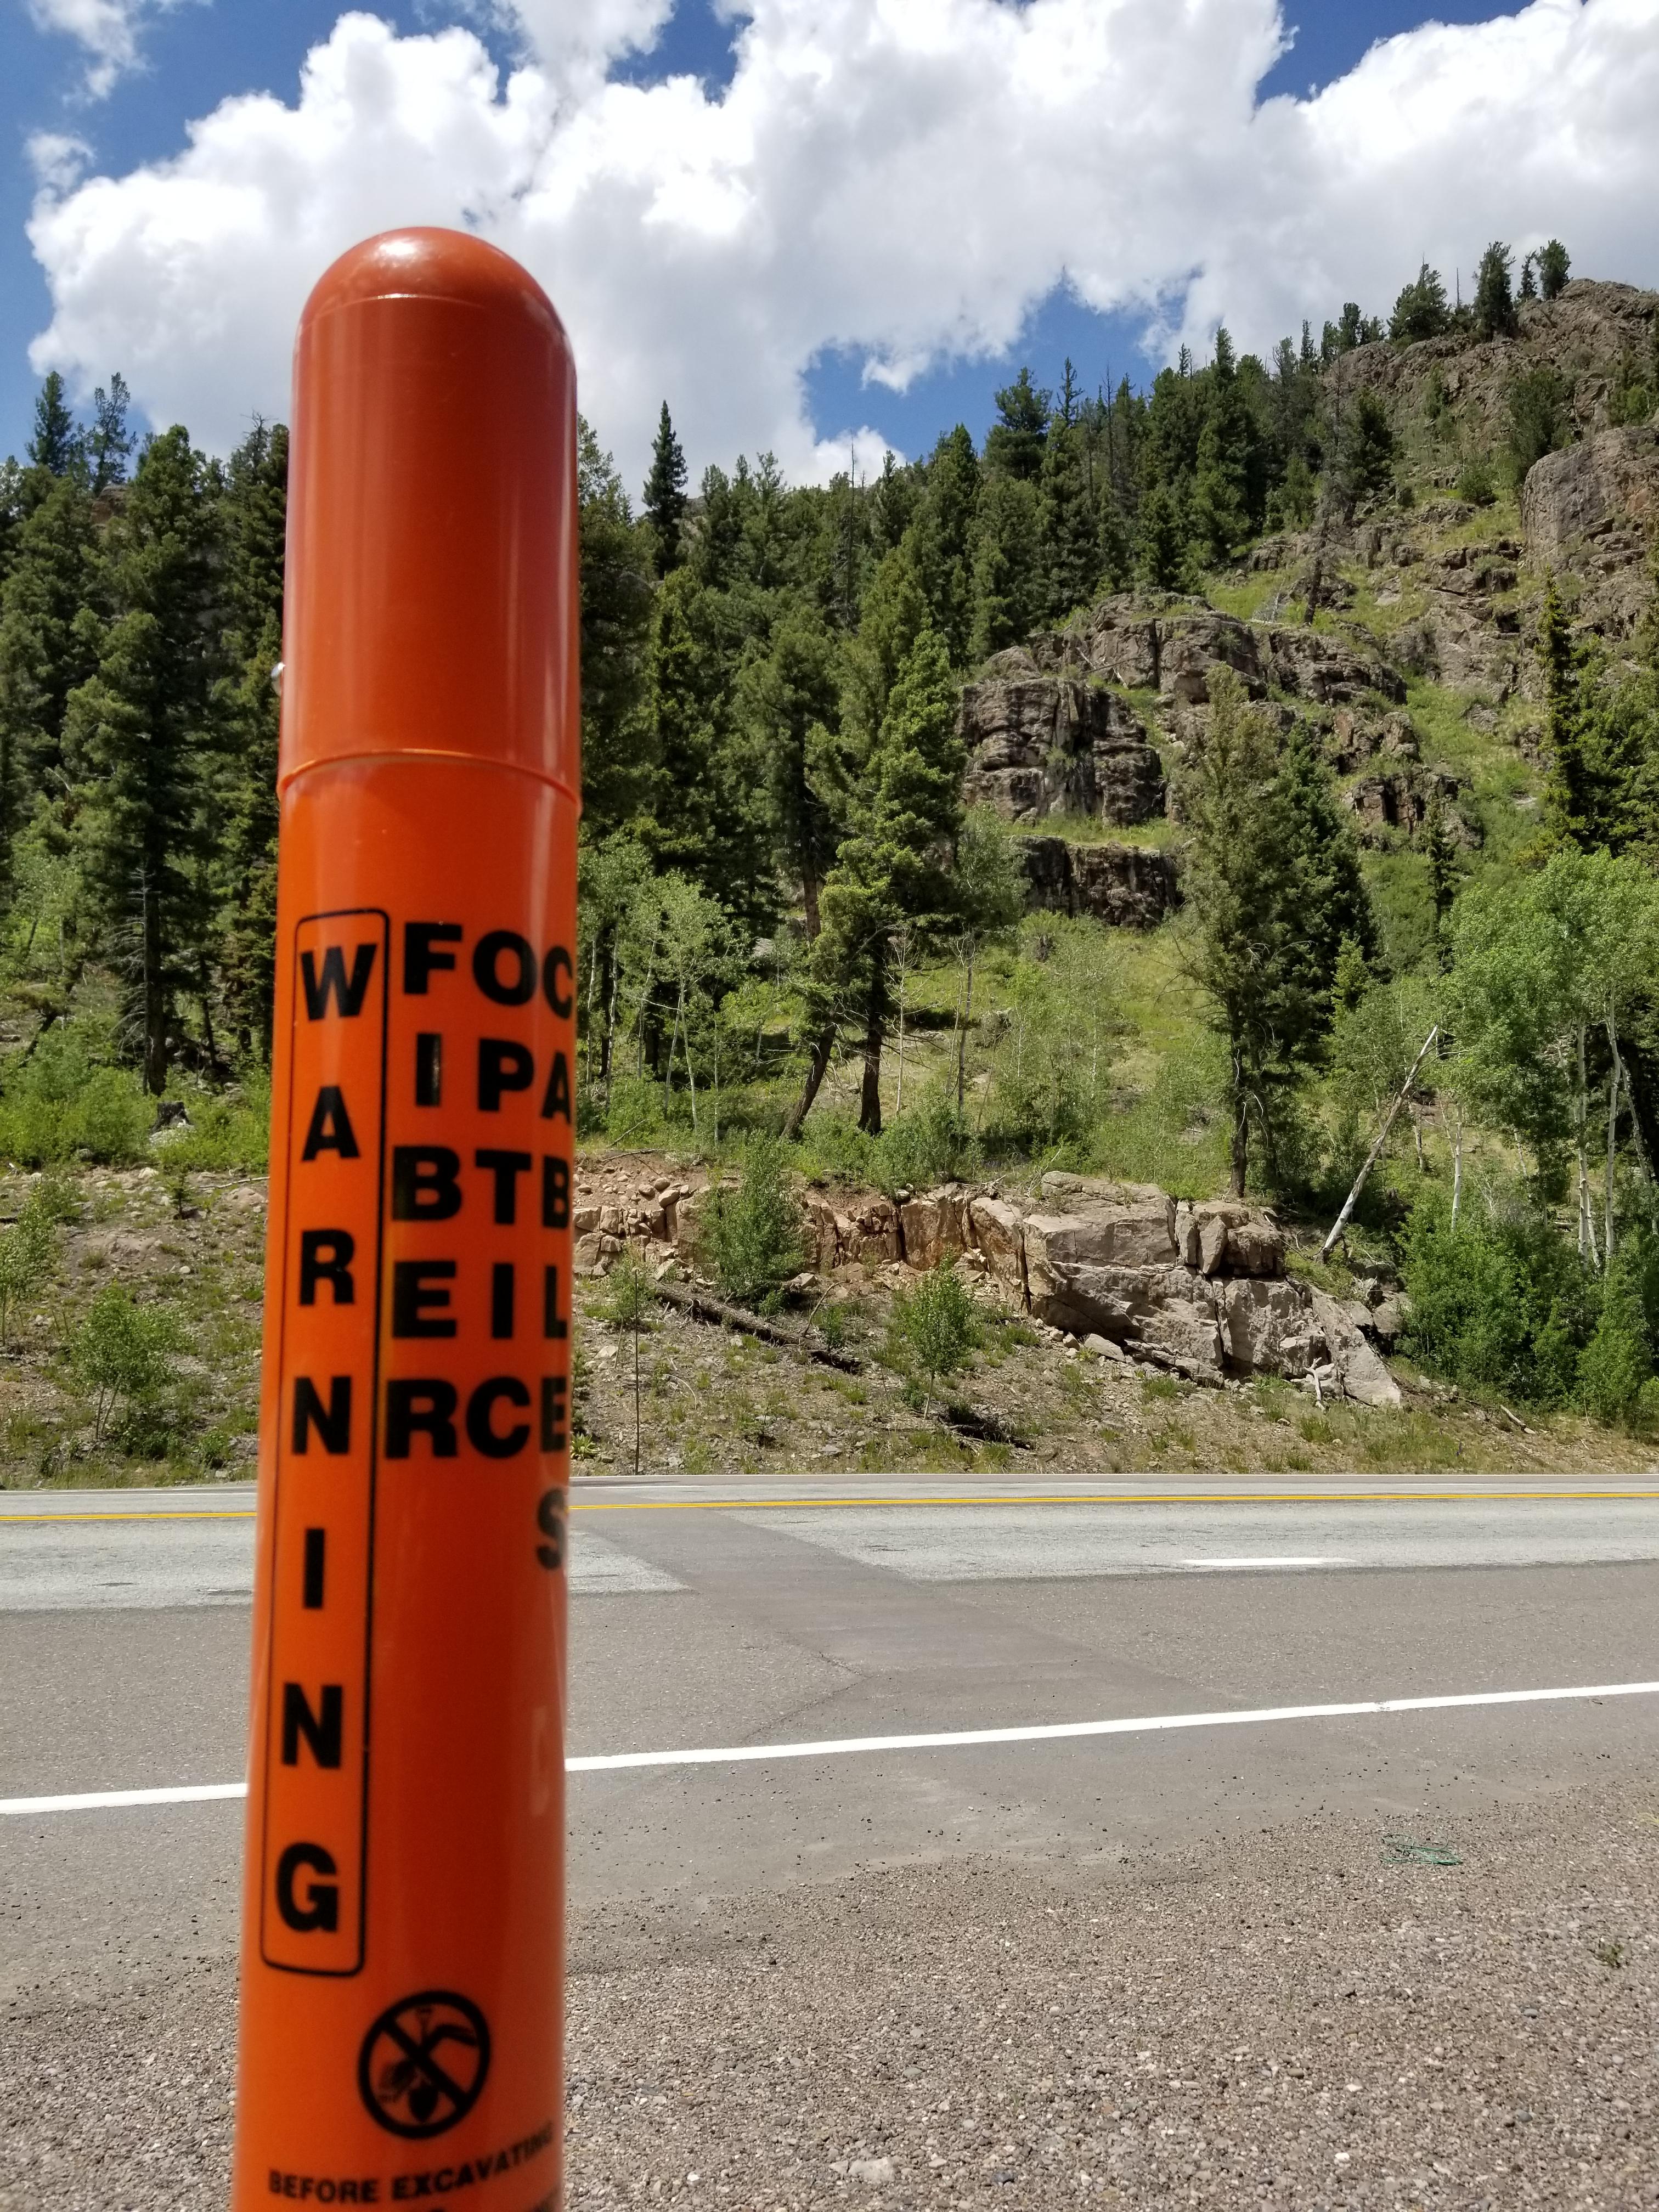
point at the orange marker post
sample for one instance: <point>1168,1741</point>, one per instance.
<point>403,1910</point>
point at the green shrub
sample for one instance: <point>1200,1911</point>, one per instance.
<point>232,1131</point>
<point>1616,1367</point>
<point>633,1115</point>
<point>750,1234</point>
<point>933,1328</point>
<point>630,1294</point>
<point>933,1144</point>
<point>121,1354</point>
<point>107,1120</point>
<point>1476,482</point>
<point>1539,419</point>
<point>1500,1307</point>
<point>26,1255</point>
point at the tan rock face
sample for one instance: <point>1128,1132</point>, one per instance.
<point>934,1226</point>
<point>996,1229</point>
<point>1121,1225</point>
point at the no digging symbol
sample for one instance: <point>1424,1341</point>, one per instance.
<point>422,2064</point>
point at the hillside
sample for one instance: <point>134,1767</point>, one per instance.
<point>1129,799</point>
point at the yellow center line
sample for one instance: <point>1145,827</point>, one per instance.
<point>1124,1498</point>
<point>1040,1497</point>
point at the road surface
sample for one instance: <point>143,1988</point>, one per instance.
<point>993,1627</point>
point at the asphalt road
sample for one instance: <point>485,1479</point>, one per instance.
<point>712,1619</point>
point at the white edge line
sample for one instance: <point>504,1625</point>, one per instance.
<point>98,1800</point>
<point>1321,1559</point>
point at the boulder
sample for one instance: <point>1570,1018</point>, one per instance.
<point>821,1237</point>
<point>1038,744</point>
<point>995,1227</point>
<point>934,1226</point>
<point>1131,886</point>
<point>1224,1236</point>
<point>1127,1225</point>
<point>1270,1328</point>
<point>872,1235</point>
<point>1389,1318</point>
<point>1167,1313</point>
<point>1360,1372</point>
<point>1400,798</point>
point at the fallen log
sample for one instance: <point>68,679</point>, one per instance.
<point>700,1306</point>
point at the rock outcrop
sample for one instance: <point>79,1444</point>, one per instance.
<point>1175,650</point>
<point>1400,798</point>
<point>1130,886</point>
<point>1197,1290</point>
<point>1042,744</point>
<point>1592,508</point>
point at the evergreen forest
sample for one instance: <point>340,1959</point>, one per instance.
<point>1407,816</point>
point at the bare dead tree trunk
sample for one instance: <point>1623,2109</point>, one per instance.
<point>1381,1138</point>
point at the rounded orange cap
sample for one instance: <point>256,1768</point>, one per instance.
<point>432,455</point>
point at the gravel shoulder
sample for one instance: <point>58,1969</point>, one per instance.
<point>1317,2017</point>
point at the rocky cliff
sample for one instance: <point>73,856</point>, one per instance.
<point>1041,745</point>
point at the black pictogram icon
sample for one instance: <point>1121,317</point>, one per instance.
<point>422,2064</point>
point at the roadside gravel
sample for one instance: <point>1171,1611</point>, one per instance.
<point>1303,2020</point>
<point>1298,2021</point>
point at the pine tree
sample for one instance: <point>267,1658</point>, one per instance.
<point>109,443</point>
<point>140,736</point>
<point>1331,898</point>
<point>1494,299</point>
<point>1220,506</point>
<point>892,869</point>
<point>707,816</point>
<point>1421,310</point>
<point>1554,264</point>
<point>1440,857</point>
<point>892,503</point>
<point>56,445</point>
<point>616,617</point>
<point>1365,450</point>
<point>1070,539</point>
<point>1569,800</point>
<point>1014,443</point>
<point>1274,886</point>
<point>665,496</point>
<point>254,519</point>
<point>1007,565</point>
<point>792,704</point>
<point>941,540</point>
<point>1162,552</point>
<point>48,647</point>
<point>894,614</point>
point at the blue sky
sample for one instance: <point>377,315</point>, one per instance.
<point>196,53</point>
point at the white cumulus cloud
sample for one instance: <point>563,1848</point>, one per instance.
<point>904,178</point>
<point>106,29</point>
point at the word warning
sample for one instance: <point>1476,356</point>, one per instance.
<point>315,1842</point>
<point>423,1355</point>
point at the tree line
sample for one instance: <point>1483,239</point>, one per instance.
<point>140,624</point>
